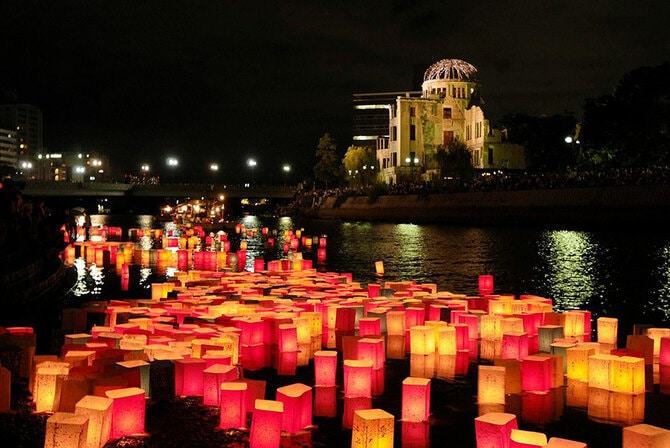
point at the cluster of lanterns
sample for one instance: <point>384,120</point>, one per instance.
<point>205,327</point>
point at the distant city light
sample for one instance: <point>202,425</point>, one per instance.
<point>172,161</point>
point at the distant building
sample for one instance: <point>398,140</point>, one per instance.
<point>371,117</point>
<point>72,166</point>
<point>449,108</point>
<point>26,120</point>
<point>8,148</point>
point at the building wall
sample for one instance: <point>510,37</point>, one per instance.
<point>8,156</point>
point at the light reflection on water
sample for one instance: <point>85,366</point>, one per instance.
<point>622,275</point>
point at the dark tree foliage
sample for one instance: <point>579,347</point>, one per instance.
<point>631,126</point>
<point>544,139</point>
<point>328,167</point>
<point>455,160</point>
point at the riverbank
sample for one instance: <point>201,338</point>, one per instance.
<point>645,205</point>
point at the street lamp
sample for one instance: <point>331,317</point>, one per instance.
<point>286,168</point>
<point>412,160</point>
<point>173,163</point>
<point>252,164</point>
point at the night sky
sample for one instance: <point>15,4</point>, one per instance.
<point>223,80</point>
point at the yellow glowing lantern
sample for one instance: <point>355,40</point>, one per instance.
<point>379,268</point>
<point>600,370</point>
<point>128,411</point>
<point>647,436</point>
<point>372,428</point>
<point>656,334</point>
<point>357,378</point>
<point>490,327</point>
<point>607,330</point>
<point>446,340</point>
<point>44,392</point>
<point>266,424</point>
<point>577,360</point>
<point>422,340</point>
<point>66,430</point>
<point>574,324</point>
<point>491,384</point>
<point>511,325</point>
<point>520,438</point>
<point>233,405</point>
<point>297,401</point>
<point>99,413</point>
<point>395,323</point>
<point>494,429</point>
<point>628,375</point>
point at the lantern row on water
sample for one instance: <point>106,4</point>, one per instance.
<point>203,327</point>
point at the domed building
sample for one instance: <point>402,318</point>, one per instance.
<point>449,109</point>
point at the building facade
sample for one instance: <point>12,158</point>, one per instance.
<point>26,120</point>
<point>8,147</point>
<point>449,109</point>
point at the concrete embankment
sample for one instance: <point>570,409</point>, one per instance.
<point>570,207</point>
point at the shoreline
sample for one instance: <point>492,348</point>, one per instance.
<point>645,205</point>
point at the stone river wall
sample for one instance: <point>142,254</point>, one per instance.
<point>570,207</point>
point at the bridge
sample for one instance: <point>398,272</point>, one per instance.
<point>165,190</point>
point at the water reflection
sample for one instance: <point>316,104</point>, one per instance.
<point>570,268</point>
<point>662,294</point>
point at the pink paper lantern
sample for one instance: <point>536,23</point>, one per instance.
<point>287,338</point>
<point>536,373</point>
<point>415,399</point>
<point>664,351</point>
<point>351,405</point>
<point>372,349</point>
<point>493,429</point>
<point>188,376</point>
<point>212,378</point>
<point>128,411</point>
<point>266,424</point>
<point>325,368</point>
<point>325,401</point>
<point>370,326</point>
<point>233,405</point>
<point>485,285</point>
<point>357,378</point>
<point>514,345</point>
<point>297,400</point>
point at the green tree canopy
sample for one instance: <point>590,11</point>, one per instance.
<point>360,164</point>
<point>455,160</point>
<point>328,168</point>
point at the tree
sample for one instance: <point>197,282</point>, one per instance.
<point>327,168</point>
<point>455,160</point>
<point>360,163</point>
<point>631,126</point>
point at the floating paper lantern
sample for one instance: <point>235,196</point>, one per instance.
<point>372,349</point>
<point>297,401</point>
<point>600,370</point>
<point>128,411</point>
<point>536,373</point>
<point>188,376</point>
<point>491,384</point>
<point>520,438</point>
<point>44,392</point>
<point>514,345</point>
<point>266,424</point>
<point>212,378</point>
<point>357,378</point>
<point>664,351</point>
<point>414,317</point>
<point>415,399</point>
<point>628,375</point>
<point>546,335</point>
<point>325,368</point>
<point>415,434</point>
<point>288,338</point>
<point>656,334</point>
<point>395,323</point>
<point>66,430</point>
<point>485,285</point>
<point>577,359</point>
<point>446,340</point>
<point>647,436</point>
<point>233,405</point>
<point>372,428</point>
<point>607,330</point>
<point>99,413</point>
<point>494,429</point>
<point>379,268</point>
<point>490,327</point>
<point>369,326</point>
<point>557,442</point>
<point>422,340</point>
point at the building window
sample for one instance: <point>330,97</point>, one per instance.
<point>446,113</point>
<point>394,133</point>
<point>447,137</point>
<point>394,159</point>
<point>412,111</point>
<point>490,155</point>
<point>412,132</point>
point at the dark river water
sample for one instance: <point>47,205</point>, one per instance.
<point>622,274</point>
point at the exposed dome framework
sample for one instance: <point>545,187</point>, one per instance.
<point>455,69</point>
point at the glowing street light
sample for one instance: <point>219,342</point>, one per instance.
<point>412,160</point>
<point>173,163</point>
<point>145,168</point>
<point>214,167</point>
<point>252,164</point>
